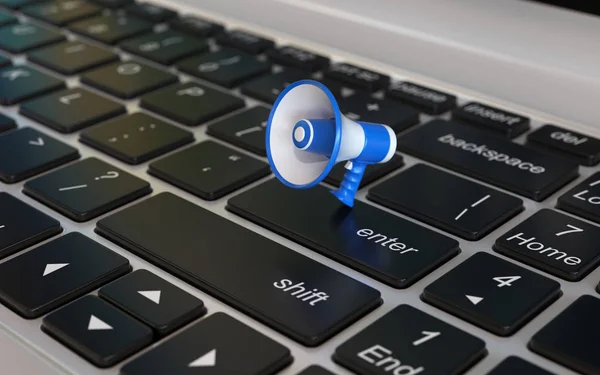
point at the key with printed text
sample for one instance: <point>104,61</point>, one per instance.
<point>245,41</point>
<point>459,206</point>
<point>409,341</point>
<point>87,189</point>
<point>276,285</point>
<point>20,38</point>
<point>209,170</point>
<point>111,28</point>
<point>583,148</point>
<point>71,110</point>
<point>492,293</point>
<point>245,129</point>
<point>21,83</point>
<point>297,58</point>
<point>487,157</point>
<point>72,57</point>
<point>499,121</point>
<point>380,245</point>
<point>555,243</point>
<point>26,152</point>
<point>430,101</point>
<point>584,199</point>
<point>357,77</point>
<point>61,12</point>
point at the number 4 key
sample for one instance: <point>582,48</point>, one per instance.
<point>494,294</point>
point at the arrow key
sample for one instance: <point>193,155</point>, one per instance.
<point>218,345</point>
<point>97,331</point>
<point>56,273</point>
<point>154,301</point>
<point>492,293</point>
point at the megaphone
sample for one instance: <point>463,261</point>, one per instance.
<point>307,135</point>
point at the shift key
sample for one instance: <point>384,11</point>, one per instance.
<point>285,290</point>
<point>490,158</point>
<point>383,246</point>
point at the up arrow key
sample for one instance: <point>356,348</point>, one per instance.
<point>207,360</point>
<point>53,267</point>
<point>152,295</point>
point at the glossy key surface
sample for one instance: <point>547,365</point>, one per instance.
<point>277,283</point>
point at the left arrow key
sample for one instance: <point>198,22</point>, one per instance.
<point>55,273</point>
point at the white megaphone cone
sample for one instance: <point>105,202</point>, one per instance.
<point>307,135</point>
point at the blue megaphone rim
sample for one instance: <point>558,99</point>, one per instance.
<point>338,133</point>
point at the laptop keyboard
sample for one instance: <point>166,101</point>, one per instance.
<point>141,230</point>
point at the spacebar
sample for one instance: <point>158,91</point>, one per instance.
<point>285,290</point>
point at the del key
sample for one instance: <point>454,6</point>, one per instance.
<point>291,293</point>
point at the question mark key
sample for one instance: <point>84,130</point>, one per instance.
<point>87,189</point>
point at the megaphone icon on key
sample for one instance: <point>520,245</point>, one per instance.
<point>307,135</point>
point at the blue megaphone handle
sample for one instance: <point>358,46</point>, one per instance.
<point>351,182</point>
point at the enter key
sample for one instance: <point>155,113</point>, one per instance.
<point>383,246</point>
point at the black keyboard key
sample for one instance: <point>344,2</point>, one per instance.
<point>380,245</point>
<point>86,189</point>
<point>583,148</point>
<point>409,341</point>
<point>21,83</point>
<point>26,152</point>
<point>489,158</point>
<point>226,67</point>
<point>568,338</point>
<point>339,90</point>
<point>219,345</point>
<point>265,283</point>
<point>430,101</point>
<point>70,110</point>
<point>16,4</point>
<point>269,87</point>
<point>357,77</point>
<point>196,26</point>
<point>111,28</point>
<point>7,18</point>
<point>298,58</point>
<point>499,121</point>
<point>128,80</point>
<point>7,123</point>
<point>191,103</point>
<point>62,12</point>
<point>5,61</point>
<point>151,12</point>
<point>315,370</point>
<point>555,243</point>
<point>245,41</point>
<point>154,301</point>
<point>209,170</point>
<point>22,38</point>
<point>467,209</point>
<point>22,226</point>
<point>245,129</point>
<point>72,57</point>
<point>583,199</point>
<point>373,172</point>
<point>492,293</point>
<point>136,138</point>
<point>166,47</point>
<point>43,279</point>
<point>113,4</point>
<point>97,331</point>
<point>362,107</point>
<point>515,366</point>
